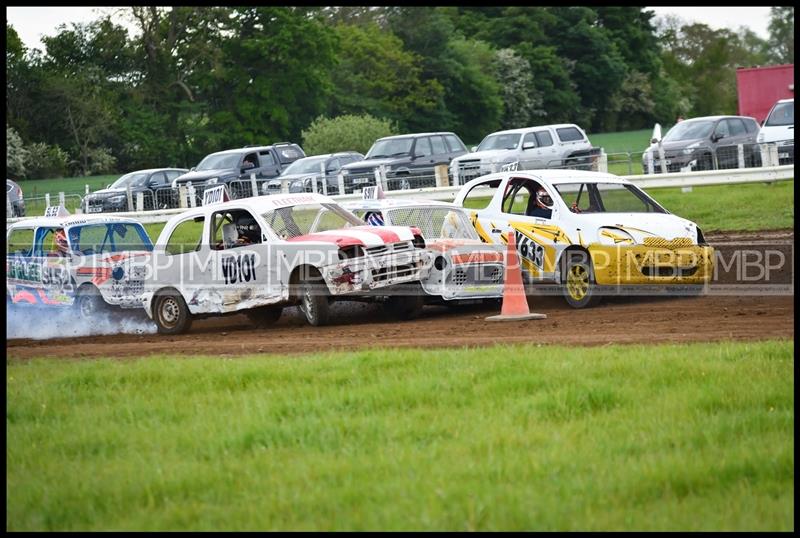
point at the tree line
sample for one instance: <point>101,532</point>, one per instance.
<point>194,80</point>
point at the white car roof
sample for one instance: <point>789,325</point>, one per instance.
<point>528,129</point>
<point>259,204</point>
<point>554,177</point>
<point>71,220</point>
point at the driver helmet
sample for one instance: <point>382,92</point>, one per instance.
<point>543,199</point>
<point>247,228</point>
<point>60,240</point>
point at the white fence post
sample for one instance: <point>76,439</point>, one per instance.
<point>740,155</point>
<point>47,199</point>
<point>661,158</point>
<point>253,184</point>
<point>340,181</point>
<point>62,199</point>
<point>130,198</point>
<point>182,197</point>
<point>87,189</point>
<point>602,161</point>
<point>139,201</point>
<point>9,210</point>
<point>773,155</point>
<point>190,188</point>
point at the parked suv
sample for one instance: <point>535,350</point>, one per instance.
<point>531,148</point>
<point>779,129</point>
<point>15,199</point>
<point>404,156</point>
<point>266,162</point>
<point>302,172</point>
<point>706,143</point>
<point>115,196</point>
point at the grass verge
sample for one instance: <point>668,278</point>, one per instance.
<point>668,437</point>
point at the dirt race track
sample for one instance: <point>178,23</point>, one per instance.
<point>715,317</point>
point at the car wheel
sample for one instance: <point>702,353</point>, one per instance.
<point>264,316</point>
<point>171,313</point>
<point>409,305</point>
<point>578,287</point>
<point>314,299</point>
<point>88,302</point>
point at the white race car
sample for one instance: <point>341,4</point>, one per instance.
<point>257,255</point>
<point>587,229</point>
<point>464,268</point>
<point>84,261</point>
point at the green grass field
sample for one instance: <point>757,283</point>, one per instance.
<point>668,437</point>
<point>38,187</point>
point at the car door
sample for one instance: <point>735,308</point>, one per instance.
<point>422,154</point>
<point>270,165</point>
<point>245,268</point>
<point>533,155</point>
<point>440,153</point>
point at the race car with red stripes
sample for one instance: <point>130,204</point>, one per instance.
<point>464,268</point>
<point>86,262</point>
<point>590,233</point>
<point>259,255</point>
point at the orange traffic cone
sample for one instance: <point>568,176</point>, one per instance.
<point>515,304</point>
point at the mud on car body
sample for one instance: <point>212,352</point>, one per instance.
<point>588,230</point>
<point>80,261</point>
<point>464,268</point>
<point>257,255</point>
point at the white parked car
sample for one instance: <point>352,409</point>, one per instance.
<point>80,261</point>
<point>257,255</point>
<point>464,268</point>
<point>587,229</point>
<point>530,148</point>
<point>778,129</point>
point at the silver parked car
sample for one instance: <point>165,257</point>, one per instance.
<point>16,203</point>
<point>302,172</point>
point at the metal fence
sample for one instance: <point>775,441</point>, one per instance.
<point>721,157</point>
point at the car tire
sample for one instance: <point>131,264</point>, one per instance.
<point>264,316</point>
<point>171,313</point>
<point>89,303</point>
<point>578,283</point>
<point>314,298</point>
<point>409,305</point>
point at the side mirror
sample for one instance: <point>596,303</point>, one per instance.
<point>716,137</point>
<point>152,183</point>
<point>192,170</point>
<point>473,149</point>
<point>654,140</point>
<point>108,186</point>
<point>528,145</point>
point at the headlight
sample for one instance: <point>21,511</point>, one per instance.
<point>760,138</point>
<point>344,172</point>
<point>118,198</point>
<point>212,181</point>
<point>614,237</point>
<point>690,149</point>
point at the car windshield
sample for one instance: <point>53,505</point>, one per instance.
<point>689,130</point>
<point>309,165</point>
<point>219,161</point>
<point>500,141</point>
<point>392,147</point>
<point>607,198</point>
<point>434,222</point>
<point>134,179</point>
<point>302,219</point>
<point>782,114</point>
<point>108,238</point>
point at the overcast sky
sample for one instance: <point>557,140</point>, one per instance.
<point>33,22</point>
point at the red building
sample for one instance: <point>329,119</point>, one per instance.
<point>760,87</point>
